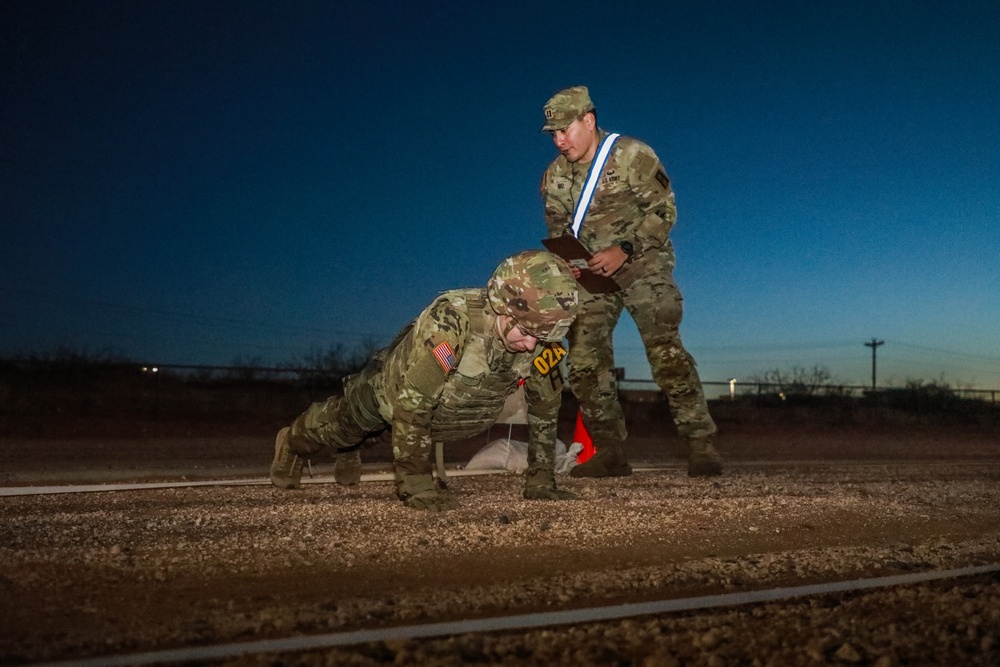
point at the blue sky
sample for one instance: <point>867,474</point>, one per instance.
<point>201,182</point>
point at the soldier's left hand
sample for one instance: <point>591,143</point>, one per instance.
<point>606,262</point>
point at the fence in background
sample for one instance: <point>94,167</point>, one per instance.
<point>713,389</point>
<point>733,390</point>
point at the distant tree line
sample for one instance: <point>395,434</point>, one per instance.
<point>799,381</point>
<point>77,394</point>
<point>819,381</point>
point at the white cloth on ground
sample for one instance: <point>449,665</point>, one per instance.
<point>512,455</point>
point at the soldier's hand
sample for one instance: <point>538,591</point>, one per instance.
<point>419,492</point>
<point>547,493</point>
<point>431,501</point>
<point>347,468</point>
<point>607,261</point>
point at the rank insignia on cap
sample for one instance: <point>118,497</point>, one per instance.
<point>445,356</point>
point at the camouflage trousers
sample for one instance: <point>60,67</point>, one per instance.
<point>342,422</point>
<point>656,306</point>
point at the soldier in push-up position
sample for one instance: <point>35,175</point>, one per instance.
<point>446,376</point>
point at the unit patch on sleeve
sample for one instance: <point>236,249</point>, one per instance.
<point>445,356</point>
<point>549,358</point>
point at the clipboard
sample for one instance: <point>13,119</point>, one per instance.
<point>569,248</point>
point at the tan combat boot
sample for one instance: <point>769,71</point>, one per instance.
<point>540,484</point>
<point>286,468</point>
<point>609,461</point>
<point>347,468</point>
<point>703,459</point>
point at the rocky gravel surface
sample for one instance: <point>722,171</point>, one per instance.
<point>112,573</point>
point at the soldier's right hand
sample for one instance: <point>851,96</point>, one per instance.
<point>431,501</point>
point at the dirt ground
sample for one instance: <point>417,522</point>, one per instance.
<point>120,572</point>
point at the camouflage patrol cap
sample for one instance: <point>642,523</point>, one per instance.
<point>566,106</point>
<point>537,289</point>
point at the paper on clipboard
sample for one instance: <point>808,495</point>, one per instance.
<point>569,248</point>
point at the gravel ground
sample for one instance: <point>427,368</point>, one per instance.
<point>100,574</point>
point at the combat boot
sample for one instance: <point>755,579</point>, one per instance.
<point>540,484</point>
<point>286,468</point>
<point>609,461</point>
<point>347,468</point>
<point>703,459</point>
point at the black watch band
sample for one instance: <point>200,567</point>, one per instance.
<point>628,249</point>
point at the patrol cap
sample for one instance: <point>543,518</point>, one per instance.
<point>566,106</point>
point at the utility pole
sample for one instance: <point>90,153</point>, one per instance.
<point>874,345</point>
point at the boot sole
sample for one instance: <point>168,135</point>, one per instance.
<point>281,482</point>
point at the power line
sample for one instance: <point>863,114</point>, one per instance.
<point>948,352</point>
<point>769,347</point>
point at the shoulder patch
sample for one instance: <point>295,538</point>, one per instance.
<point>549,358</point>
<point>643,163</point>
<point>445,356</point>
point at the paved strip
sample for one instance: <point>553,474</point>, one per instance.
<point>512,623</point>
<point>260,481</point>
<point>388,477</point>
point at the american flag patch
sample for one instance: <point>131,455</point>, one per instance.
<point>445,356</point>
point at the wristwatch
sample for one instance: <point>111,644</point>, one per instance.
<point>629,250</point>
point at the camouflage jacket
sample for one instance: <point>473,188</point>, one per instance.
<point>633,202</point>
<point>448,376</point>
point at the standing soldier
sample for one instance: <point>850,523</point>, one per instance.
<point>446,376</point>
<point>613,194</point>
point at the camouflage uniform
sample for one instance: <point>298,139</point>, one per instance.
<point>445,377</point>
<point>633,202</point>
